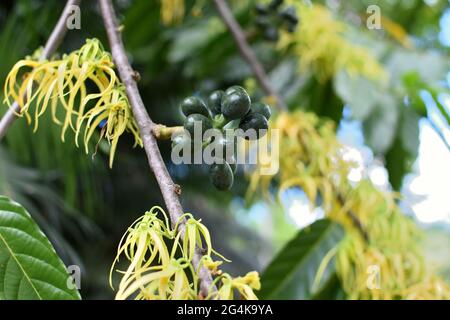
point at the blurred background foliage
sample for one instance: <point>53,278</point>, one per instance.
<point>383,81</point>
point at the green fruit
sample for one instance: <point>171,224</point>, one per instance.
<point>291,28</point>
<point>181,139</point>
<point>261,108</point>
<point>189,123</point>
<point>254,121</point>
<point>192,105</point>
<point>262,22</point>
<point>271,34</point>
<point>235,103</point>
<point>221,176</point>
<point>228,147</point>
<point>233,89</point>
<point>215,102</point>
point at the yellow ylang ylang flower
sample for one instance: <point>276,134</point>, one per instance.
<point>321,46</point>
<point>311,158</point>
<point>61,84</point>
<point>244,285</point>
<point>161,261</point>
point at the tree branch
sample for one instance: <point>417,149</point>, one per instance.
<point>52,44</point>
<point>246,51</point>
<point>169,189</point>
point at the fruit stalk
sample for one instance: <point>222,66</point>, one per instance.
<point>57,35</point>
<point>169,190</point>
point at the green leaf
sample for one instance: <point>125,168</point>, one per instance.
<point>292,272</point>
<point>29,266</point>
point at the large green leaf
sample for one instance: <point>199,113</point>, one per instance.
<point>29,266</point>
<point>292,272</point>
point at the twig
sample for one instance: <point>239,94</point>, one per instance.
<point>246,51</point>
<point>168,188</point>
<point>52,44</point>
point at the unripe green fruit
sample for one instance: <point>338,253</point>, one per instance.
<point>254,121</point>
<point>261,108</point>
<point>235,103</point>
<point>184,142</point>
<point>181,139</point>
<point>233,89</point>
<point>228,147</point>
<point>215,102</point>
<point>189,123</point>
<point>221,176</point>
<point>262,22</point>
<point>192,105</point>
<point>271,34</point>
<point>291,27</point>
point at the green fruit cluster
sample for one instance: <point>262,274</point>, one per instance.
<point>224,110</point>
<point>271,17</point>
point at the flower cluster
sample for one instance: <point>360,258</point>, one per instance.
<point>161,261</point>
<point>217,122</point>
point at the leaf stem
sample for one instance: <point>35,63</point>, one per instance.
<point>162,132</point>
